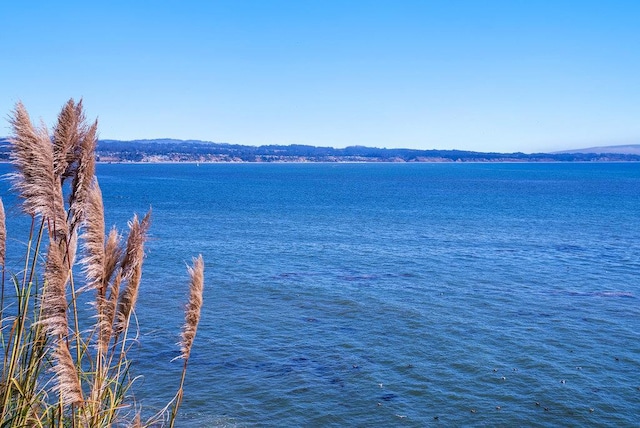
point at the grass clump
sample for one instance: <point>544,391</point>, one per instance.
<point>55,372</point>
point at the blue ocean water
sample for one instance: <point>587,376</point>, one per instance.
<point>391,294</point>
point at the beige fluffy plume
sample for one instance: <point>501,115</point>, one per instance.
<point>66,134</point>
<point>54,302</point>
<point>132,270</point>
<point>35,181</point>
<point>84,175</point>
<point>192,312</point>
<point>93,238</point>
<point>67,382</point>
<point>107,310</point>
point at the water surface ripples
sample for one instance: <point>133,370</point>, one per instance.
<point>392,295</point>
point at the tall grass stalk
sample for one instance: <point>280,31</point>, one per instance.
<point>192,318</point>
<point>54,373</point>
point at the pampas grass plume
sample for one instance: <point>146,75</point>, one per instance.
<point>54,301</point>
<point>132,269</point>
<point>66,135</point>
<point>67,382</point>
<point>32,156</point>
<point>194,305</point>
<point>93,237</point>
<point>84,175</point>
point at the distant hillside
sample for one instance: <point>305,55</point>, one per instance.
<point>171,150</point>
<point>629,149</point>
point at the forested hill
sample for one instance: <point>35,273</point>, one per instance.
<point>169,150</point>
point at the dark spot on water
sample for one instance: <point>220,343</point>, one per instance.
<point>337,381</point>
<point>568,248</point>
<point>288,275</point>
<point>273,370</point>
<point>388,397</point>
<point>300,359</point>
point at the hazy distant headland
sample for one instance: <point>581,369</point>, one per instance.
<point>171,150</point>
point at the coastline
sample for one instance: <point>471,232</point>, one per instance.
<point>201,152</point>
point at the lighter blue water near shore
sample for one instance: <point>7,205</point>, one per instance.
<point>391,294</point>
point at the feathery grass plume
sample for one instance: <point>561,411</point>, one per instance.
<point>112,255</point>
<point>192,318</point>
<point>132,270</point>
<point>192,312</point>
<point>32,155</point>
<point>99,263</point>
<point>108,317</point>
<point>107,313</point>
<point>101,258</point>
<point>93,237</point>
<point>66,135</point>
<point>67,381</point>
<point>84,175</point>
<point>54,301</point>
<point>71,249</point>
<point>107,304</point>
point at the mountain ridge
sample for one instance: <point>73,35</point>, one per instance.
<point>176,150</point>
<point>628,149</point>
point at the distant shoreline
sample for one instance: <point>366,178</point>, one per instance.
<point>161,151</point>
<point>350,162</point>
<point>125,162</point>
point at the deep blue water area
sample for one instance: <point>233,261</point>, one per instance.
<point>390,294</point>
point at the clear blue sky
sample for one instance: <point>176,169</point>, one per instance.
<point>474,75</point>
